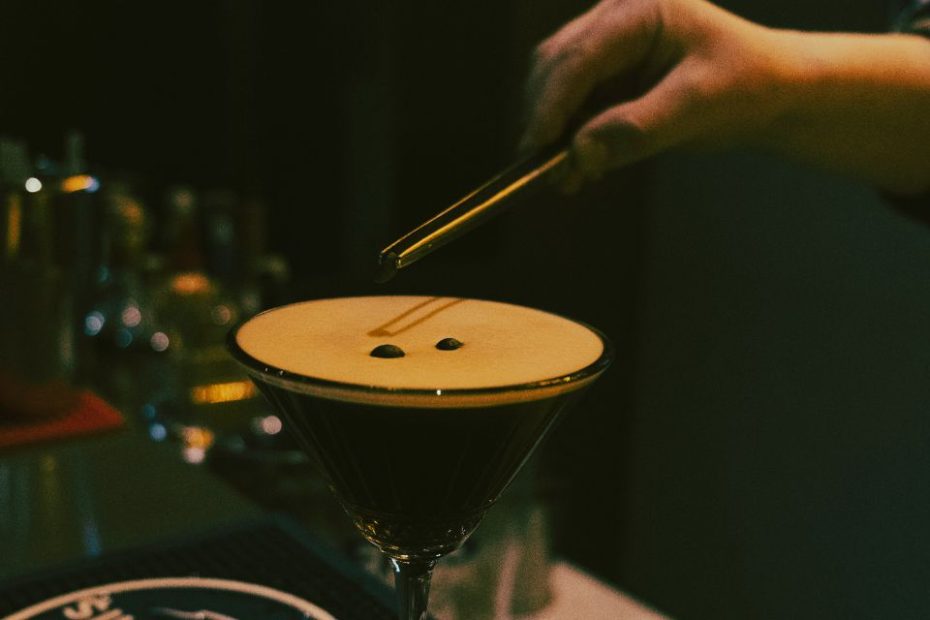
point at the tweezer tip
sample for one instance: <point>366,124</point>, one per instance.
<point>387,268</point>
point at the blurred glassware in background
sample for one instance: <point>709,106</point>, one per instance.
<point>34,305</point>
<point>102,291</point>
<point>98,290</point>
<point>501,572</point>
<point>124,349</point>
<point>207,395</point>
<point>236,253</point>
<point>78,229</point>
<point>194,305</point>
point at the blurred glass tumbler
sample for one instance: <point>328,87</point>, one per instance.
<point>418,438</point>
<point>502,571</point>
<point>34,305</point>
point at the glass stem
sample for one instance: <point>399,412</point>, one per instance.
<point>411,580</point>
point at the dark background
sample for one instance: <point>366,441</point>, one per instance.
<point>761,448</point>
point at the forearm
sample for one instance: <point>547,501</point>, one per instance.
<point>858,104</point>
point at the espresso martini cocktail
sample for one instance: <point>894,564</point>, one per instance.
<point>419,410</point>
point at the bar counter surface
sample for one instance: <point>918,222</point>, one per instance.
<point>90,496</point>
<point>73,500</point>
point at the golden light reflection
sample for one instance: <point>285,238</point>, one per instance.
<point>80,183</point>
<point>14,225</point>
<point>222,392</point>
<point>197,437</point>
<point>190,283</point>
<point>196,441</point>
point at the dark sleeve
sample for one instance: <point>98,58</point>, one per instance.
<point>914,18</point>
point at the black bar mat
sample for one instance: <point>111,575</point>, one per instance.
<point>274,556</point>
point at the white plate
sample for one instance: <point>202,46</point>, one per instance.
<point>175,598</point>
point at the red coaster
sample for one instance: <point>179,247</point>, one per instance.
<point>90,414</point>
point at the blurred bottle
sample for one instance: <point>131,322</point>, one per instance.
<point>14,170</point>
<point>213,395</point>
<point>264,276</point>
<point>13,175</point>
<point>236,252</point>
<point>220,233</point>
<point>194,305</point>
<point>120,329</point>
<point>79,231</point>
<point>82,215</point>
<point>33,314</point>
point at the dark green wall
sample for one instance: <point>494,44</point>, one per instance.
<point>781,430</point>
<point>782,422</point>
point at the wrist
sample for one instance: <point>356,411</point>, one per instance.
<point>855,103</point>
<point>791,80</point>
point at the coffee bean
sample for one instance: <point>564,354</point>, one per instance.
<point>387,351</point>
<point>449,344</point>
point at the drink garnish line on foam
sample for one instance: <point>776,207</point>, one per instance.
<point>397,325</point>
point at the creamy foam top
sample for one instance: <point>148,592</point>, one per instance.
<point>503,345</point>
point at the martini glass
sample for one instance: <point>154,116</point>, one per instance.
<point>419,410</point>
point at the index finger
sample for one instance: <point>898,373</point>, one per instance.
<point>607,41</point>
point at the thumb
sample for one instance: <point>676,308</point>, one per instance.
<point>633,130</point>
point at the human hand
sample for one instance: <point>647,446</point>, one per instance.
<point>704,78</point>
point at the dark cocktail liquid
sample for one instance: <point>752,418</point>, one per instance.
<point>420,410</point>
<point>416,478</point>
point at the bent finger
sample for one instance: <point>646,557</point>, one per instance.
<point>608,41</point>
<point>662,118</point>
